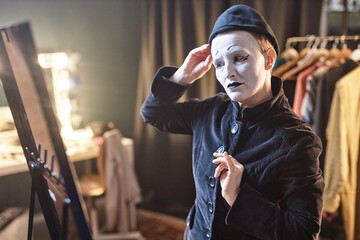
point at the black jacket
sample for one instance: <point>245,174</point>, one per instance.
<point>281,189</point>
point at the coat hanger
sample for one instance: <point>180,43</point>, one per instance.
<point>285,67</point>
<point>290,52</point>
<point>355,55</point>
<point>335,56</point>
<point>289,65</point>
<point>311,57</point>
<point>323,51</point>
<point>326,52</point>
<point>345,51</point>
<point>311,49</point>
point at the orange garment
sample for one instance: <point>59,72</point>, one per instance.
<point>300,87</point>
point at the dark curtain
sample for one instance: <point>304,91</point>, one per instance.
<point>170,29</point>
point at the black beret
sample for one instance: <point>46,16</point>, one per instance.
<point>242,17</point>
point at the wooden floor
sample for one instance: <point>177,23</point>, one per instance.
<point>152,225</point>
<point>157,226</point>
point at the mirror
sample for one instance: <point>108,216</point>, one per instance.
<point>36,124</point>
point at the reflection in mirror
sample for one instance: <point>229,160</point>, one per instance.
<point>58,69</point>
<point>59,66</point>
<point>6,119</point>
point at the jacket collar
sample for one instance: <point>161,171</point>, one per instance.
<point>260,111</point>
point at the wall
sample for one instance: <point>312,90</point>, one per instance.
<point>335,22</point>
<point>106,34</point>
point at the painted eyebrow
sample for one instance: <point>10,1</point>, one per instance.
<point>226,49</point>
<point>234,45</point>
<point>230,47</point>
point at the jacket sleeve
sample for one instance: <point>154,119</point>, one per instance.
<point>336,157</point>
<point>297,215</point>
<point>161,108</point>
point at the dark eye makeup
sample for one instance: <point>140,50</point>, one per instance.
<point>236,59</point>
<point>241,58</point>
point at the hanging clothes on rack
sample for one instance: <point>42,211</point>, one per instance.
<point>342,152</point>
<point>298,73</point>
<point>308,104</point>
<point>300,88</point>
<point>289,70</point>
<point>324,95</point>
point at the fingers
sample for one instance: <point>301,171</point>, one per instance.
<point>219,170</point>
<point>208,62</point>
<point>224,158</point>
<point>226,162</point>
<point>230,173</point>
<point>195,65</point>
<point>205,48</point>
<point>216,154</point>
<point>201,52</point>
<point>229,161</point>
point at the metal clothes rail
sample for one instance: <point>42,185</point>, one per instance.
<point>312,38</point>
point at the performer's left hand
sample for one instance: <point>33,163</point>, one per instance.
<point>230,172</point>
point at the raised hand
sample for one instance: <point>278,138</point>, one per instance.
<point>230,172</point>
<point>195,65</point>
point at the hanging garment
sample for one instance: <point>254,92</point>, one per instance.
<point>122,186</point>
<point>300,88</point>
<point>279,62</point>
<point>309,102</point>
<point>342,152</point>
<point>325,90</point>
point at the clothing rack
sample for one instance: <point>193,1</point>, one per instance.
<point>313,38</point>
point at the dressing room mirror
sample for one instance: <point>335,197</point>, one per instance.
<point>39,133</point>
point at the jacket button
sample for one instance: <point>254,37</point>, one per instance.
<point>221,149</point>
<point>212,182</point>
<point>234,128</point>
<point>208,232</point>
<point>211,207</point>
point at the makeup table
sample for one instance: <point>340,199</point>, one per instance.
<point>80,147</point>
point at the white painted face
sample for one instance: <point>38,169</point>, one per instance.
<point>241,68</point>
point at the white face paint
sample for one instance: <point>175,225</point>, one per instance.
<point>241,68</point>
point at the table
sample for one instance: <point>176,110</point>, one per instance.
<point>80,147</point>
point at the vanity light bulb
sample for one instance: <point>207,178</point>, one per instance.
<point>63,83</point>
<point>60,60</point>
<point>42,61</point>
<point>65,107</point>
<point>66,131</point>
